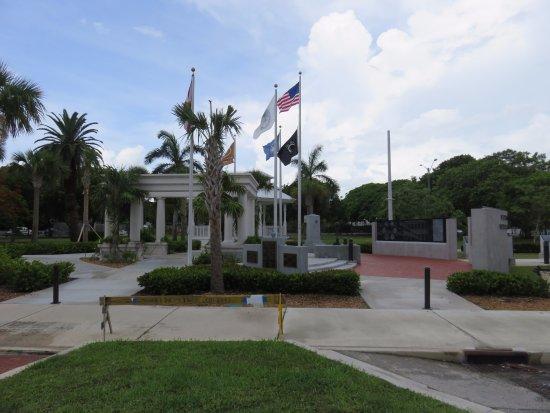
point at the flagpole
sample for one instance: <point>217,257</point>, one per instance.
<point>275,181</point>
<point>190,214</point>
<point>300,161</point>
<point>234,154</point>
<point>280,189</point>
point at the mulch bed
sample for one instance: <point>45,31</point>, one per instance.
<point>6,294</point>
<point>309,300</point>
<point>97,261</point>
<point>510,303</point>
<point>9,361</point>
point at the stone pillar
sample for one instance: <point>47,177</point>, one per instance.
<point>107,227</point>
<point>136,217</point>
<point>252,216</point>
<point>261,221</point>
<point>284,220</point>
<point>242,222</point>
<point>228,232</point>
<point>161,220</point>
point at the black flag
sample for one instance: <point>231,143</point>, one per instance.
<point>289,149</point>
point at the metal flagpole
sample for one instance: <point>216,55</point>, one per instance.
<point>190,217</point>
<point>300,161</point>
<point>275,227</point>
<point>234,154</point>
<point>280,189</point>
<point>390,194</point>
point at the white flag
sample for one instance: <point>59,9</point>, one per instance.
<point>268,119</point>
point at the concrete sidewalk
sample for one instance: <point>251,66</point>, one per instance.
<point>396,331</point>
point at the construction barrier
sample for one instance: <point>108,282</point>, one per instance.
<point>263,300</point>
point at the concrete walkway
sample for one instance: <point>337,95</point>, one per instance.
<point>65,325</point>
<point>92,281</point>
<point>408,293</point>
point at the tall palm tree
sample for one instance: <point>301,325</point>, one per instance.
<point>37,164</point>
<point>20,106</point>
<point>212,131</point>
<point>90,160</point>
<point>118,189</point>
<point>72,139</point>
<point>175,160</point>
<point>263,179</point>
<point>315,183</point>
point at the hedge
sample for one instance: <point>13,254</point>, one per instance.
<point>482,282</point>
<point>16,249</point>
<point>181,245</point>
<point>196,279</point>
<point>522,245</point>
<point>20,275</point>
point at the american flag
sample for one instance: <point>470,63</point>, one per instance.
<point>290,98</point>
<point>189,99</point>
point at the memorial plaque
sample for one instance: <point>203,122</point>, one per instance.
<point>252,257</point>
<point>269,254</point>
<point>290,260</point>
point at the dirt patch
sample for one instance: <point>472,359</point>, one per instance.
<point>310,300</point>
<point>510,303</point>
<point>97,261</point>
<point>9,361</point>
<point>6,294</point>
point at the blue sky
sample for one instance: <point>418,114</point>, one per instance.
<point>447,77</point>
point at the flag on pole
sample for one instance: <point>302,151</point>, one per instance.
<point>189,99</point>
<point>289,149</point>
<point>290,98</point>
<point>269,150</point>
<point>229,156</point>
<point>268,119</point>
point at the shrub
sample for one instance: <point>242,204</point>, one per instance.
<point>526,246</point>
<point>16,249</point>
<point>147,235</point>
<point>181,245</point>
<point>196,279</point>
<point>23,276</point>
<point>481,282</point>
<point>202,259</point>
<point>291,242</point>
<point>366,247</point>
<point>253,239</point>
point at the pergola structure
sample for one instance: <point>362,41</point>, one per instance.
<point>163,186</point>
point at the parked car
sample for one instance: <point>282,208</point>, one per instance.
<point>24,230</point>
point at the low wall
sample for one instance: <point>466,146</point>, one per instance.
<point>290,259</point>
<point>336,251</point>
<point>439,250</point>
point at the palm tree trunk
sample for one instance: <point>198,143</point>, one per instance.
<point>71,201</point>
<point>216,281</point>
<point>309,204</point>
<point>175,223</point>
<point>35,208</point>
<point>85,213</point>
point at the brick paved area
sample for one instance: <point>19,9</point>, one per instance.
<point>10,361</point>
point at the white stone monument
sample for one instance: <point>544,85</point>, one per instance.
<point>313,229</point>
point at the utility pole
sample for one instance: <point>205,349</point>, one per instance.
<point>390,194</point>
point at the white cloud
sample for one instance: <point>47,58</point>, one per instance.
<point>100,28</point>
<point>149,31</point>
<point>125,157</point>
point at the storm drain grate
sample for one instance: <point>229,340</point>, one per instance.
<point>495,356</point>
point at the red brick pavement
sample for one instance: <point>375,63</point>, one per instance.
<point>11,361</point>
<point>408,267</point>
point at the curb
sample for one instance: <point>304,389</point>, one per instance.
<point>400,381</point>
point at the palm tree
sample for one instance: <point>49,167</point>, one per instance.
<point>118,189</point>
<point>315,184</point>
<point>212,131</point>
<point>72,139</point>
<point>20,106</point>
<point>263,179</point>
<point>89,161</point>
<point>175,160</point>
<point>37,164</point>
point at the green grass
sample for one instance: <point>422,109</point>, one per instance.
<point>522,270</point>
<point>329,238</point>
<point>526,255</point>
<point>202,376</point>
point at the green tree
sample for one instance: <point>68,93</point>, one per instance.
<point>212,131</point>
<point>315,183</point>
<point>36,165</point>
<point>20,106</point>
<point>90,161</point>
<point>72,138</point>
<point>263,179</point>
<point>13,208</point>
<point>118,190</point>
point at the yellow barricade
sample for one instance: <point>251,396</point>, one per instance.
<point>261,300</point>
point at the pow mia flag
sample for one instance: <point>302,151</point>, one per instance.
<point>289,149</point>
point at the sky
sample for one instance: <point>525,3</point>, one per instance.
<point>446,77</point>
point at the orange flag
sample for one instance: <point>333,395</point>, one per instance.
<point>229,157</point>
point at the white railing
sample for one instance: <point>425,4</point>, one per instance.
<point>202,232</point>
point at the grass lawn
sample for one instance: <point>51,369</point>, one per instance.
<point>526,255</point>
<point>202,376</point>
<point>329,238</point>
<point>522,270</point>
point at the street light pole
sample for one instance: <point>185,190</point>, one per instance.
<point>429,169</point>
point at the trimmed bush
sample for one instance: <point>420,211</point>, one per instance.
<point>196,279</point>
<point>366,247</point>
<point>253,239</point>
<point>481,282</point>
<point>23,276</point>
<point>17,249</point>
<point>147,235</point>
<point>522,245</point>
<point>181,245</point>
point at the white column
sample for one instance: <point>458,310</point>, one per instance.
<point>242,222</point>
<point>284,220</point>
<point>161,220</point>
<point>251,216</point>
<point>136,214</point>
<point>228,231</point>
<point>261,221</point>
<point>107,226</point>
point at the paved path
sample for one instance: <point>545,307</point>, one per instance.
<point>93,281</point>
<point>408,293</point>
<point>529,262</point>
<point>408,267</point>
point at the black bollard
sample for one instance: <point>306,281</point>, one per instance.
<point>350,249</point>
<point>427,288</point>
<point>546,251</point>
<point>55,280</point>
